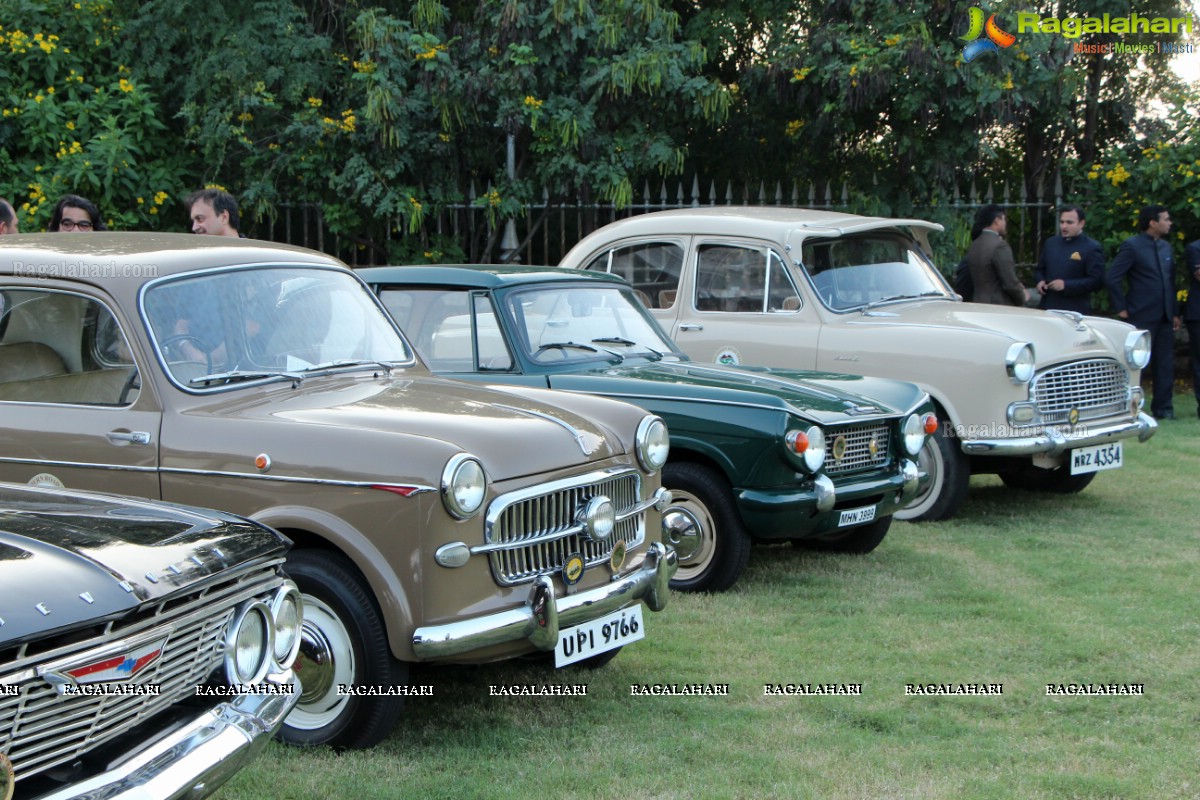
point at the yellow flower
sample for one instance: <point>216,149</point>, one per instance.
<point>245,116</point>
<point>793,128</point>
<point>854,70</point>
<point>892,41</point>
<point>532,101</point>
<point>445,137</point>
<point>800,74</point>
<point>365,67</point>
<point>125,85</point>
<point>1008,81</point>
<point>38,98</point>
<point>1093,175</point>
<point>70,125</point>
<point>160,198</point>
<point>314,102</point>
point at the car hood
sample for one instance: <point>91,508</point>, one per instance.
<point>820,396</point>
<point>513,431</point>
<point>1053,336</point>
<point>67,558</point>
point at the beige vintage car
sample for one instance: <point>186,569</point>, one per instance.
<point>433,520</point>
<point>1044,399</point>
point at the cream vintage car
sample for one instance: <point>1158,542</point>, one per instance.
<point>1044,399</point>
<point>432,520</point>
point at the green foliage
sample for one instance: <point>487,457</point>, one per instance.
<point>74,119</point>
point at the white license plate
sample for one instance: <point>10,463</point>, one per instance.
<point>856,516</point>
<point>600,635</point>
<point>1097,457</point>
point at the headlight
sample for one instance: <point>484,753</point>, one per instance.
<point>1019,362</point>
<point>916,428</point>
<point>653,446</point>
<point>1137,349</point>
<point>809,445</point>
<point>248,644</point>
<point>464,485</point>
<point>287,611</point>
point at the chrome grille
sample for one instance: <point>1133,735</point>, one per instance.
<point>1097,388</point>
<point>549,513</point>
<point>859,454</point>
<point>40,729</point>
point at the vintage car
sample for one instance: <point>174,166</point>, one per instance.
<point>433,520</point>
<point>1044,399</point>
<point>823,460</point>
<point>145,649</point>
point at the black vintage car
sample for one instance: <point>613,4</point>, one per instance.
<point>145,649</point>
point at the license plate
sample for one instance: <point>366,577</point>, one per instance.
<point>600,635</point>
<point>1096,458</point>
<point>856,516</point>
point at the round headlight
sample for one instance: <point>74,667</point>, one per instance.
<point>598,518</point>
<point>1019,362</point>
<point>464,485</point>
<point>287,612</point>
<point>814,454</point>
<point>1137,349</point>
<point>914,434</point>
<point>653,445</point>
<point>248,644</point>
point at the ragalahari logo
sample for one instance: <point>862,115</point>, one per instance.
<point>996,38</point>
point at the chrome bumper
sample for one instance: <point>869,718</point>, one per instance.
<point>543,615</point>
<point>192,761</point>
<point>1055,442</point>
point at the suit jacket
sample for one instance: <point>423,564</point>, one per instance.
<point>994,271</point>
<point>1079,263</point>
<point>1146,265</point>
<point>1191,263</point>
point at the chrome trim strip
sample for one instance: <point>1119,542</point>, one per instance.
<point>1056,442</point>
<point>44,463</point>
<point>540,619</point>
<point>575,432</point>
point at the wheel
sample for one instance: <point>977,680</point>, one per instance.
<point>343,643</point>
<point>860,539</point>
<point>704,528</point>
<point>1035,479</point>
<point>949,472</point>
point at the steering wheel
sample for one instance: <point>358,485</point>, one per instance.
<point>132,383</point>
<point>171,342</point>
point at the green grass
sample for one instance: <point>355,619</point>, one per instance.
<point>1021,589</point>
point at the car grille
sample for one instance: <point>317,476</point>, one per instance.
<point>548,513</point>
<point>40,729</point>
<point>859,453</point>
<point>1096,388</point>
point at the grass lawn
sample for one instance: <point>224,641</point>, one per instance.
<point>1021,589</point>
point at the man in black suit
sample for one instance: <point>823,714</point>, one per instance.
<point>1191,314</point>
<point>1071,265</point>
<point>1145,263</point>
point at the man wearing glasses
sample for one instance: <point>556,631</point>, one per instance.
<point>75,214</point>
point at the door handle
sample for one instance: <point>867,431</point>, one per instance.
<point>691,326</point>
<point>131,437</point>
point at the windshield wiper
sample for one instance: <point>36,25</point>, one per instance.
<point>244,375</point>
<point>895,297</point>
<point>344,363</point>
<point>565,345</point>
<point>613,340</point>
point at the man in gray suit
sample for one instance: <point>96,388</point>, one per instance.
<point>990,260</point>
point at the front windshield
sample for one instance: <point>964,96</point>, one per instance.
<point>851,272</point>
<point>584,323</point>
<point>215,327</point>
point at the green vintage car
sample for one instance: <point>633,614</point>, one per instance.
<point>820,459</point>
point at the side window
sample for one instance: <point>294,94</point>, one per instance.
<point>652,268</point>
<point>731,278</point>
<point>489,342</point>
<point>781,292</point>
<point>63,348</point>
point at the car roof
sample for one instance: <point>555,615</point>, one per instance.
<point>135,257</point>
<point>762,222</point>
<point>479,276</point>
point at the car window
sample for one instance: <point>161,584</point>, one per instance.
<point>266,319</point>
<point>438,322</point>
<point>651,268</point>
<point>743,279</point>
<point>851,271</point>
<point>59,347</point>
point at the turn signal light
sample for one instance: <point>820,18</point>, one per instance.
<point>931,424</point>
<point>797,441</point>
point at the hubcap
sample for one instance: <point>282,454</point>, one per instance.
<point>690,530</point>
<point>929,461</point>
<point>326,660</point>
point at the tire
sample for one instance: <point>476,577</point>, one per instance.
<point>596,662</point>
<point>715,551</point>
<point>859,540</point>
<point>1056,481</point>
<point>343,642</point>
<point>949,471</point>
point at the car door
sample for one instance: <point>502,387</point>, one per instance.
<point>742,306</point>
<point>654,268</point>
<point>73,411</point>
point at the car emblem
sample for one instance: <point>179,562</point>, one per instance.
<point>873,446</point>
<point>1073,417</point>
<point>112,666</point>
<point>8,778</point>
<point>839,448</point>
<point>617,558</point>
<point>572,570</point>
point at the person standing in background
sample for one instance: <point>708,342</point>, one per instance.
<point>213,212</point>
<point>1071,266</point>
<point>75,214</point>
<point>991,263</point>
<point>1191,312</point>
<point>8,218</point>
